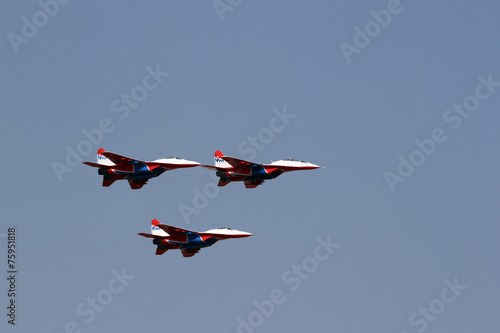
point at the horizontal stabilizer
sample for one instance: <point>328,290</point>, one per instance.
<point>211,167</point>
<point>95,165</point>
<point>150,235</point>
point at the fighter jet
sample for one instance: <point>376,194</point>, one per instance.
<point>252,174</point>
<point>115,167</point>
<point>167,238</point>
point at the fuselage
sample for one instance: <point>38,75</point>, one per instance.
<point>252,173</point>
<point>263,172</point>
<point>191,240</point>
<point>133,171</point>
<point>144,170</point>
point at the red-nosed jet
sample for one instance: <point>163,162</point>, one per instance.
<point>252,174</point>
<point>167,238</point>
<point>115,167</point>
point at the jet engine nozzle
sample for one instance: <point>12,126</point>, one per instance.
<point>103,172</point>
<point>221,173</point>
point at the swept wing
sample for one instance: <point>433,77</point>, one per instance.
<point>119,159</point>
<point>236,162</point>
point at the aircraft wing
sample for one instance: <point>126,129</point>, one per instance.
<point>236,162</point>
<point>252,183</point>
<point>135,184</point>
<point>189,252</point>
<point>174,230</point>
<point>171,166</point>
<point>118,159</point>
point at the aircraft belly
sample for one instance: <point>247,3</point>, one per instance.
<point>260,177</point>
<point>198,243</point>
<point>258,173</point>
<point>141,175</point>
<point>145,174</point>
<point>194,245</point>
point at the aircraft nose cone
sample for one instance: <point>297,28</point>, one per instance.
<point>310,166</point>
<point>242,234</point>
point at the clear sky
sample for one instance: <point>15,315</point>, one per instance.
<point>398,100</point>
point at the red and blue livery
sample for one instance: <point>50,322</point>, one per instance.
<point>167,237</point>
<point>230,169</point>
<point>116,167</point>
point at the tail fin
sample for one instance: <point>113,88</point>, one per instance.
<point>103,160</point>
<point>224,182</point>
<point>219,162</point>
<point>157,231</point>
<point>106,182</point>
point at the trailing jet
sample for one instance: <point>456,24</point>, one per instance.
<point>115,167</point>
<point>252,174</point>
<point>167,238</point>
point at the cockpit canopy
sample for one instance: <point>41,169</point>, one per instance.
<point>293,160</point>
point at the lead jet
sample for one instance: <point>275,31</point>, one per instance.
<point>115,167</point>
<point>166,237</point>
<point>231,169</point>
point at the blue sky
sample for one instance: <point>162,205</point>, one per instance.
<point>398,233</point>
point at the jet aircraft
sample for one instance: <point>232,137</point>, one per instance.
<point>167,237</point>
<point>115,167</point>
<point>252,174</point>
